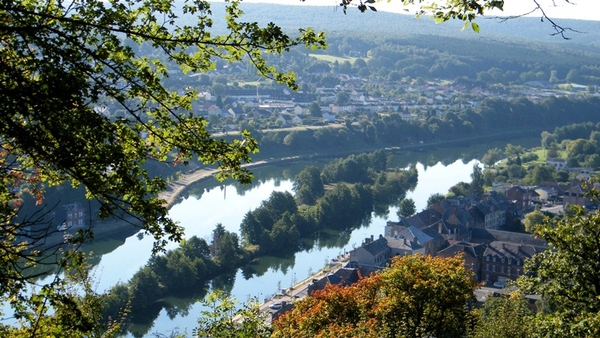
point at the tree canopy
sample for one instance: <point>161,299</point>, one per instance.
<point>463,10</point>
<point>416,296</point>
<point>61,62</point>
<point>568,275</point>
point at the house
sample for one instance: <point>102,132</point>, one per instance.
<point>504,261</point>
<point>372,253</point>
<point>72,216</point>
<point>298,110</point>
<point>235,112</point>
<point>582,173</point>
<point>407,116</point>
<point>494,255</point>
<point>214,110</point>
<point>328,117</point>
<point>438,241</point>
<point>420,221</point>
<point>547,193</point>
<point>557,163</point>
<point>296,120</point>
<point>343,276</point>
<point>575,195</point>
<point>522,197</point>
<point>412,234</point>
<point>454,224</point>
<point>491,213</point>
<point>400,246</point>
<point>472,253</point>
<point>393,228</point>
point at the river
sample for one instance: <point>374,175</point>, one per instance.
<point>202,209</point>
<point>205,204</point>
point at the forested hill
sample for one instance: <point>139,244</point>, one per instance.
<point>332,20</point>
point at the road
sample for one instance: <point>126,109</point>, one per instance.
<point>298,291</point>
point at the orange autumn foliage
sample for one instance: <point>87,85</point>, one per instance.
<point>416,296</point>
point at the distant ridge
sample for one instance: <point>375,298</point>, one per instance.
<point>332,20</point>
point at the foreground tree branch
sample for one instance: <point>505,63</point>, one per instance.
<point>466,11</point>
<point>59,61</point>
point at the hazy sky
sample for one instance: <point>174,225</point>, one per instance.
<point>576,9</point>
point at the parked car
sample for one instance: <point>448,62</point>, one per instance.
<point>499,284</point>
<point>275,306</point>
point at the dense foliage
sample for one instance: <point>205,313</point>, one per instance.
<point>416,296</point>
<point>361,185</point>
<point>61,64</point>
<point>580,143</point>
<point>567,276</point>
<point>491,117</point>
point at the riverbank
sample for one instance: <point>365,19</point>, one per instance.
<point>117,228</point>
<point>176,188</point>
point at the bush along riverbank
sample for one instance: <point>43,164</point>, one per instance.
<point>340,197</point>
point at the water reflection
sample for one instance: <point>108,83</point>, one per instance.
<point>209,202</point>
<point>259,267</point>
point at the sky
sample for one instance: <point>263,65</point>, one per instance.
<point>572,9</point>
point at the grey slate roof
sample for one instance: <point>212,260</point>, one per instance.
<point>413,234</point>
<point>512,250</point>
<point>487,236</point>
<point>473,250</point>
<point>402,244</point>
<point>377,246</point>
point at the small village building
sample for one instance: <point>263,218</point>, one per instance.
<point>373,253</point>
<point>557,163</point>
<point>523,198</point>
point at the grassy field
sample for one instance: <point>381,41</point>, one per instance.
<point>541,153</point>
<point>331,58</point>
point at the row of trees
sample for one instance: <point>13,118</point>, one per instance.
<point>490,116</point>
<point>390,56</point>
<point>183,271</point>
<point>361,186</point>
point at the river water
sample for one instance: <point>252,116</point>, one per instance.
<point>203,208</point>
<point>205,204</point>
